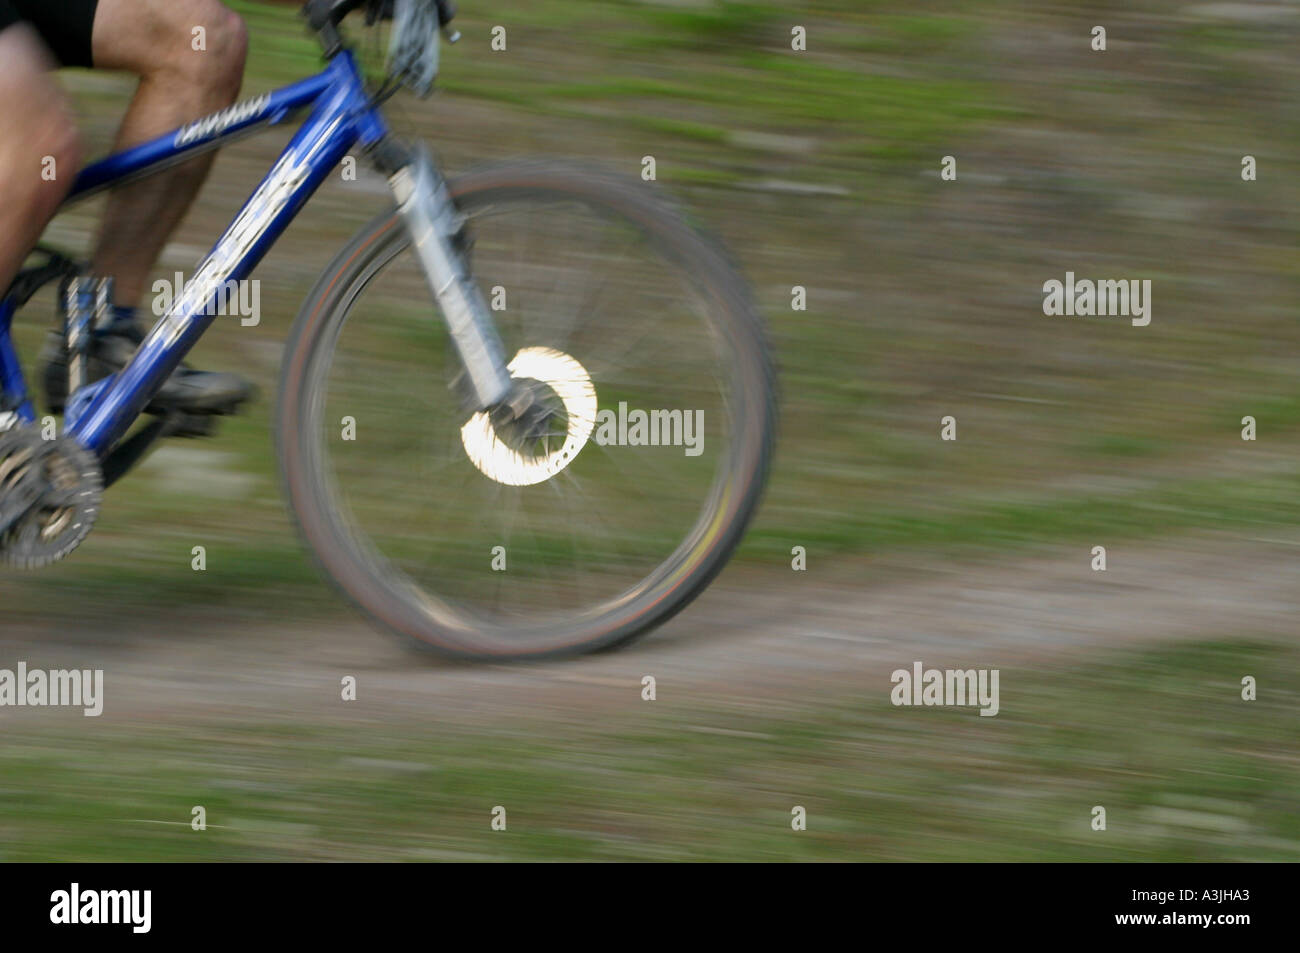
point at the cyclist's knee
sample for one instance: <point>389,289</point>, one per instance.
<point>54,156</point>
<point>211,59</point>
<point>198,44</point>
<point>228,46</point>
<point>60,147</point>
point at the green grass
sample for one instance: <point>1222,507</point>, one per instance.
<point>1237,505</point>
<point>923,301</point>
<point>264,565</point>
<point>1186,770</point>
<point>922,294</point>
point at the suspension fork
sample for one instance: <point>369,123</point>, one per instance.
<point>434,224</point>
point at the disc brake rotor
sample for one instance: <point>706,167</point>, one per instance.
<point>571,383</point>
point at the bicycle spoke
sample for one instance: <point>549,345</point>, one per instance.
<point>430,486</point>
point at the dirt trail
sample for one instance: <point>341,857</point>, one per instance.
<point>748,635</point>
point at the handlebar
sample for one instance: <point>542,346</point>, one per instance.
<point>413,41</point>
<point>325,14</point>
<point>330,13</point>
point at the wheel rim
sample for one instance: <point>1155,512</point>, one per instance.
<point>538,592</point>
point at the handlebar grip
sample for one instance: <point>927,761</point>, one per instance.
<point>323,13</point>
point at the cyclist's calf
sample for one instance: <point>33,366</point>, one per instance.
<point>189,55</point>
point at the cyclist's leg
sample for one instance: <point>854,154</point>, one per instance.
<point>40,136</point>
<point>156,40</point>
<point>184,73</point>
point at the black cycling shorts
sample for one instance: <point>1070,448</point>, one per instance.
<point>64,25</point>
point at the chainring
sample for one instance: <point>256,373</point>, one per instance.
<point>57,486</point>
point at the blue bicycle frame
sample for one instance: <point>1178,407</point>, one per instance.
<point>342,115</point>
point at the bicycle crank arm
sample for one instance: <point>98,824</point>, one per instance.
<point>434,225</point>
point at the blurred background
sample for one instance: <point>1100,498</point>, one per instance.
<point>819,169</point>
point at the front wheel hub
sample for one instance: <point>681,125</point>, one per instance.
<point>519,444</point>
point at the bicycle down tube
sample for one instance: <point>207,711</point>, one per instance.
<point>99,415</point>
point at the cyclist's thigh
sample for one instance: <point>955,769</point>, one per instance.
<point>36,118</point>
<point>39,153</point>
<point>64,25</point>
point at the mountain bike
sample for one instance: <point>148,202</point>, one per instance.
<point>526,411</point>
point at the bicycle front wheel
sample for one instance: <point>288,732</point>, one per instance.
<point>580,532</point>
